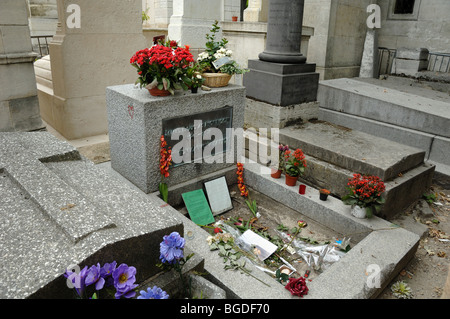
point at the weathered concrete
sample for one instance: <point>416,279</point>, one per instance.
<point>57,209</point>
<point>281,84</point>
<point>353,150</point>
<point>135,135</point>
<point>385,105</point>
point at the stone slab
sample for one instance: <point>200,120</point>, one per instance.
<point>35,248</point>
<point>264,115</point>
<point>400,192</point>
<point>440,150</point>
<point>277,85</point>
<point>135,127</point>
<point>388,131</point>
<point>385,105</point>
<point>368,268</point>
<point>353,150</point>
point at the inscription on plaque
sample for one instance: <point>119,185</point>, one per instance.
<point>191,137</point>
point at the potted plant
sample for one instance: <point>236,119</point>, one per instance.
<point>217,73</point>
<point>323,194</point>
<point>295,164</point>
<point>195,79</point>
<point>162,69</point>
<point>277,171</point>
<point>365,195</point>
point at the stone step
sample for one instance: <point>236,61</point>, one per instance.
<point>386,105</point>
<point>437,148</point>
<point>400,191</point>
<point>353,150</point>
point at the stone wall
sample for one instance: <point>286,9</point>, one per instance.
<point>428,27</point>
<point>339,34</point>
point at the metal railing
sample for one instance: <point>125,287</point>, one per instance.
<point>386,58</point>
<point>40,44</point>
<point>439,62</point>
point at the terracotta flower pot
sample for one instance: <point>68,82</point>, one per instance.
<point>291,180</point>
<point>157,92</point>
<point>276,173</point>
<point>234,18</point>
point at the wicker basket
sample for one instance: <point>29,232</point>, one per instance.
<point>216,80</point>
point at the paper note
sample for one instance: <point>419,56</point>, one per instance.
<point>218,195</point>
<point>198,207</point>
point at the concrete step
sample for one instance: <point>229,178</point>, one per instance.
<point>353,150</point>
<point>386,105</point>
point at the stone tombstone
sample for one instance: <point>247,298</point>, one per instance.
<point>59,211</point>
<point>137,121</point>
<point>19,104</point>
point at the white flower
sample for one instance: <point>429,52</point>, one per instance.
<point>202,56</point>
<point>229,53</point>
<point>199,76</point>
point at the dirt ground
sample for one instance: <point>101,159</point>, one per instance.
<point>427,272</point>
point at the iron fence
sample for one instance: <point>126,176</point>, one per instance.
<point>40,44</point>
<point>439,62</point>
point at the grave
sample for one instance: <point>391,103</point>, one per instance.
<point>58,210</point>
<point>137,121</point>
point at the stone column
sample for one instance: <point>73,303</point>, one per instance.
<point>90,51</point>
<point>19,105</point>
<point>281,76</point>
<point>192,20</point>
<point>284,32</point>
<point>256,11</point>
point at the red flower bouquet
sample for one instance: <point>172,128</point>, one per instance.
<point>365,191</point>
<point>163,66</point>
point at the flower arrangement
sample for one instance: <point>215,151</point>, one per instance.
<point>365,191</point>
<point>95,279</point>
<point>216,50</point>
<point>164,164</point>
<point>244,192</point>
<point>163,66</point>
<point>295,162</point>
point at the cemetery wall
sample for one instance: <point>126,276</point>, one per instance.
<point>428,27</point>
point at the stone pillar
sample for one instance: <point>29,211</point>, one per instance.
<point>192,20</point>
<point>281,76</point>
<point>87,58</point>
<point>19,105</point>
<point>284,32</point>
<point>256,11</point>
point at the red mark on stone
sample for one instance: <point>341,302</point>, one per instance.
<point>131,111</point>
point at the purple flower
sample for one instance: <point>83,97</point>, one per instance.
<point>171,248</point>
<point>153,293</point>
<point>77,280</point>
<point>106,272</point>
<point>94,277</point>
<point>124,278</point>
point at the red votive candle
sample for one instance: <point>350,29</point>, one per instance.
<point>302,189</point>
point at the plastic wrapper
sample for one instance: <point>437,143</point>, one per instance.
<point>317,257</point>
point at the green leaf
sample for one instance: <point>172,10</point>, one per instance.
<point>164,191</point>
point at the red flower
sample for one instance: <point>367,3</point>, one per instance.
<point>297,286</point>
<point>217,230</point>
<point>241,185</point>
<point>165,158</point>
